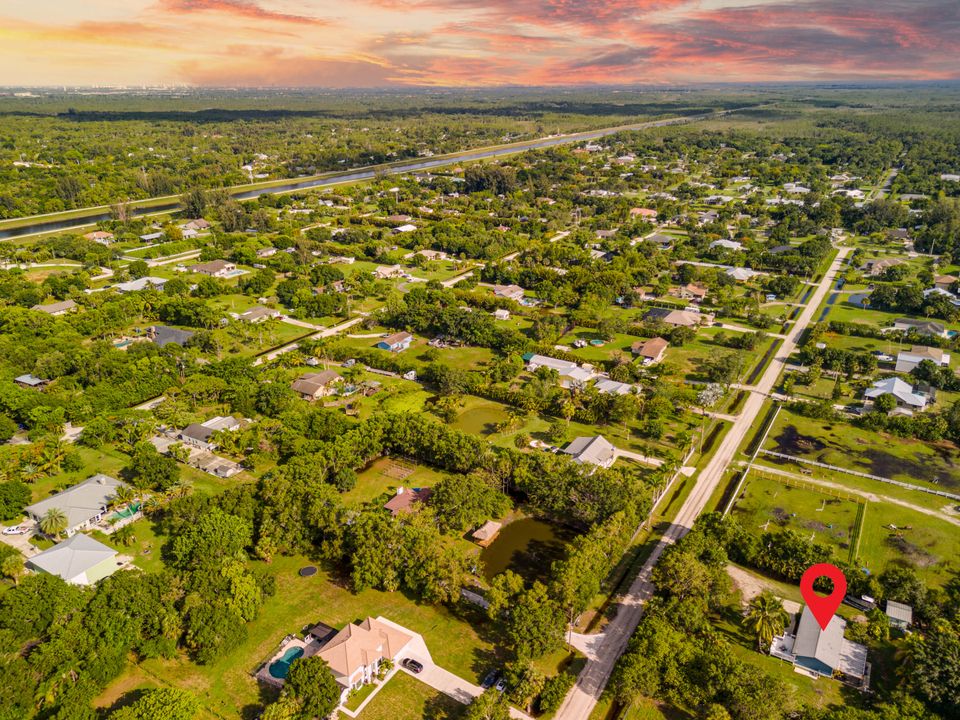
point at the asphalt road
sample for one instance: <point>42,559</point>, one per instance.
<point>581,700</point>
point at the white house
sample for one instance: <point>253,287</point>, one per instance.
<point>594,450</point>
<point>84,504</point>
<point>199,434</point>
<point>355,653</point>
<point>903,392</point>
<point>316,385</point>
<point>726,244</point>
<point>512,292</point>
<point>80,560</point>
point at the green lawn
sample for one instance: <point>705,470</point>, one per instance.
<point>374,482</point>
<point>405,698</point>
<point>226,687</point>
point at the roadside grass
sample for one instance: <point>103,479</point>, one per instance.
<point>457,640</point>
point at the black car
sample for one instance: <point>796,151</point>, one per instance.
<point>490,680</point>
<point>412,665</point>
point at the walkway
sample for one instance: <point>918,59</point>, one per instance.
<point>581,701</point>
<point>327,332</point>
<point>630,455</point>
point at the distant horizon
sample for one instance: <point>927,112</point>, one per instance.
<point>839,83</point>
<point>380,44</point>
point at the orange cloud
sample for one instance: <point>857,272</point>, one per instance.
<point>238,8</point>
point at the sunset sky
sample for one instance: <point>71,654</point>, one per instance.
<point>376,43</point>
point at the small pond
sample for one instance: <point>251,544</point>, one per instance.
<point>528,547</point>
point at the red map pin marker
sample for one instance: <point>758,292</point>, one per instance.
<point>823,608</point>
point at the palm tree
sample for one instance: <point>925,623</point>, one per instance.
<point>53,522</point>
<point>124,495</point>
<point>12,567</point>
<point>766,618</point>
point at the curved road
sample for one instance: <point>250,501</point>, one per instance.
<point>49,222</point>
<point>607,647</point>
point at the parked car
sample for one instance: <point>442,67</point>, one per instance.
<point>412,665</point>
<point>501,685</point>
<point>490,680</point>
<point>16,530</point>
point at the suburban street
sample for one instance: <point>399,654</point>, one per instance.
<point>580,702</point>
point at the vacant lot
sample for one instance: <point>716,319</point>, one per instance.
<point>766,503</point>
<point>843,445</point>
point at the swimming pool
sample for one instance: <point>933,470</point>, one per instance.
<point>281,666</point>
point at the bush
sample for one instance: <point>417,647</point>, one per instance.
<point>555,689</point>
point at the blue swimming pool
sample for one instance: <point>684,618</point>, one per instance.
<point>281,666</point>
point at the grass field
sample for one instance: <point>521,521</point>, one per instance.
<point>380,480</point>
<point>767,503</point>
<point>226,688</point>
<point>837,443</point>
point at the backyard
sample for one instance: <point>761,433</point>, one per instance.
<point>226,687</point>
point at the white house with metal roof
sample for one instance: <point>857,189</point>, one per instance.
<point>84,504</point>
<point>903,392</point>
<point>80,560</point>
<point>595,450</point>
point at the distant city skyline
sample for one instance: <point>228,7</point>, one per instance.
<point>384,43</point>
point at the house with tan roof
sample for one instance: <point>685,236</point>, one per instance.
<point>355,653</point>
<point>908,360</point>
<point>99,236</point>
<point>650,351</point>
<point>313,386</point>
<point>214,268</point>
<point>56,309</point>
<point>690,291</point>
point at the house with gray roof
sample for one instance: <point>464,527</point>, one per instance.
<point>84,504</point>
<point>903,392</point>
<point>900,615</point>
<point>595,450</point>
<point>162,335</point>
<point>56,309</point>
<point>80,560</point>
<point>823,652</point>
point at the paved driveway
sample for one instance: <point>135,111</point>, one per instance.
<point>440,679</point>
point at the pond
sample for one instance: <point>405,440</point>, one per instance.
<point>528,547</point>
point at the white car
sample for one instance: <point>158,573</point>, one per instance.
<point>16,530</point>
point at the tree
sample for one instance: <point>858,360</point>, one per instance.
<point>312,684</point>
<point>12,567</point>
<point>491,705</point>
<point>766,618</point>
<point>14,496</point>
<point>462,501</point>
<point>53,522</point>
<point>535,623</point>
<point>161,704</point>
<point>885,403</point>
<point>933,667</point>
<point>148,469</point>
